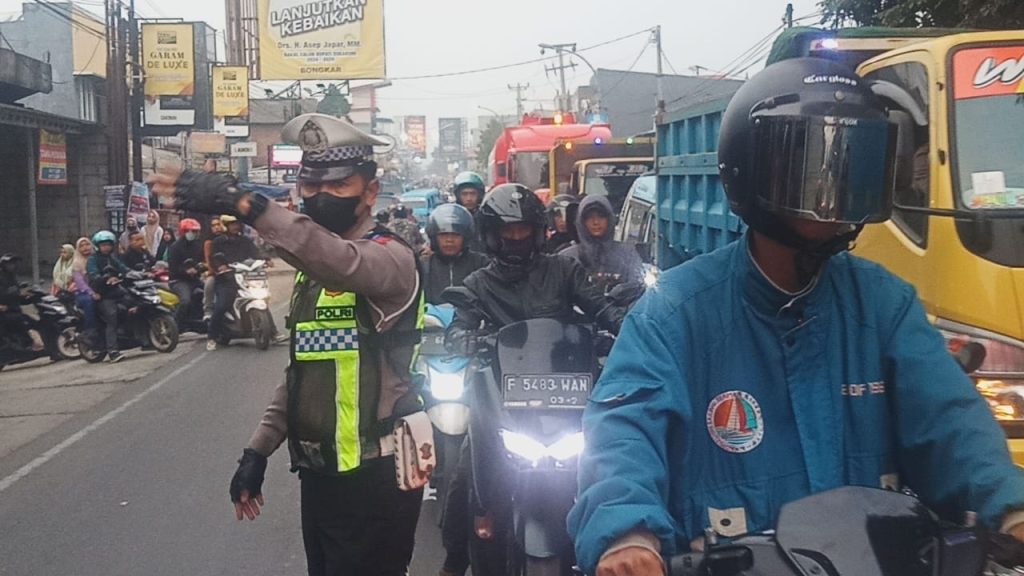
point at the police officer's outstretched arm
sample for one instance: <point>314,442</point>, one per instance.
<point>952,451</point>
<point>625,469</point>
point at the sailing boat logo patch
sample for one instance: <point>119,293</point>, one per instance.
<point>734,422</point>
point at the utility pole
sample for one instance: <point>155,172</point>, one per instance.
<point>561,49</point>
<point>698,69</point>
<point>518,88</point>
<point>659,113</point>
<point>137,98</point>
<point>788,20</point>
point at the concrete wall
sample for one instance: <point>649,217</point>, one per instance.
<point>43,35</point>
<point>64,212</point>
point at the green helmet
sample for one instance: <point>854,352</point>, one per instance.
<point>469,180</point>
<point>103,236</point>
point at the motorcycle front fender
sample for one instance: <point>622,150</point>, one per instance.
<point>256,305</point>
<point>542,503</point>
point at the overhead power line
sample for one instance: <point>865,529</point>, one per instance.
<point>515,64</point>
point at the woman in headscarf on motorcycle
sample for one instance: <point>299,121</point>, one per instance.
<point>62,268</point>
<point>85,296</point>
<point>607,262</point>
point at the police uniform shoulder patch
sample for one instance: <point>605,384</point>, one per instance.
<point>734,422</point>
<point>381,238</point>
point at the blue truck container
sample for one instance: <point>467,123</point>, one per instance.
<point>693,212</point>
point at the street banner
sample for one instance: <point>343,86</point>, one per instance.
<point>168,57</point>
<point>416,133</point>
<point>231,100</point>
<point>53,158</point>
<point>114,198</point>
<point>138,202</point>
<point>450,136</point>
<point>988,71</point>
<point>321,39</point>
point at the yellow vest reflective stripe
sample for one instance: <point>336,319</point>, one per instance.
<point>334,336</point>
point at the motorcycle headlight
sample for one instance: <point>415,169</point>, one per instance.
<point>447,386</point>
<point>259,293</point>
<point>568,447</point>
<point>60,310</point>
<point>523,446</point>
<point>154,299</point>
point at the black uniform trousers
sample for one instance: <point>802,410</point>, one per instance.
<point>359,523</point>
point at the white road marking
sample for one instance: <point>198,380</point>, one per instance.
<point>77,436</point>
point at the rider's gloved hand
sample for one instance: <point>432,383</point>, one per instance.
<point>247,483</point>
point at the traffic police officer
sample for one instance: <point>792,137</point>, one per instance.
<point>355,319</point>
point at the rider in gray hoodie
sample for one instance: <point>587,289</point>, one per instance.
<point>606,261</point>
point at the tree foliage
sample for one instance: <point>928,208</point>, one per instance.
<point>982,14</point>
<point>488,137</point>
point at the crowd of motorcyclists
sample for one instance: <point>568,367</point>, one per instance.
<point>671,429</point>
<point>88,278</point>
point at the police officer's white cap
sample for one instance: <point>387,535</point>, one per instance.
<point>331,147</point>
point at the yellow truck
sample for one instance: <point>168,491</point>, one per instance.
<point>957,232</point>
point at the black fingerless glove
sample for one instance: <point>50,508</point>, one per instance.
<point>251,468</point>
<point>215,194</point>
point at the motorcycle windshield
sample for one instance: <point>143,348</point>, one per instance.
<point>856,531</point>
<point>545,346</point>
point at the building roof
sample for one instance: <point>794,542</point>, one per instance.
<point>629,97</point>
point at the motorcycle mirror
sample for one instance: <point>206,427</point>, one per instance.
<point>459,296</point>
<point>970,356</point>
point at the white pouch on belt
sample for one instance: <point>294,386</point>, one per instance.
<point>414,451</point>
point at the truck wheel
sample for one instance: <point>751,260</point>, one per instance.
<point>163,333</point>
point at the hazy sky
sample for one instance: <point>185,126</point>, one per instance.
<point>426,37</point>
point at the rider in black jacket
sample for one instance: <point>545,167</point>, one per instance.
<point>520,283</point>
<point>450,229</point>
<point>183,262</point>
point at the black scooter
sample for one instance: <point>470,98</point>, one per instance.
<point>530,383</point>
<point>142,320</point>
<point>55,325</point>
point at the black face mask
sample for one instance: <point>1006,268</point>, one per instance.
<point>336,214</point>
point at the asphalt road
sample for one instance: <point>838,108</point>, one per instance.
<point>138,484</point>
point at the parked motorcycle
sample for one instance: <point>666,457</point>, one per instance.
<point>249,316</point>
<point>142,320</point>
<point>444,394</point>
<point>55,325</point>
<point>530,383</point>
<point>856,531</point>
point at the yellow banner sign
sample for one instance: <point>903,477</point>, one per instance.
<point>321,39</point>
<point>169,59</point>
<point>230,91</point>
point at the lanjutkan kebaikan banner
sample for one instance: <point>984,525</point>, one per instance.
<point>321,39</point>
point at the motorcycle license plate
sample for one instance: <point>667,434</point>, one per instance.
<point>555,391</point>
<point>433,344</point>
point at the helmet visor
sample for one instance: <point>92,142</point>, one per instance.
<point>828,169</point>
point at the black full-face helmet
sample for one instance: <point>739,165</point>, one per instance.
<point>509,204</point>
<point>807,138</point>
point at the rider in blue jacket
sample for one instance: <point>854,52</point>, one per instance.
<point>780,365</point>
